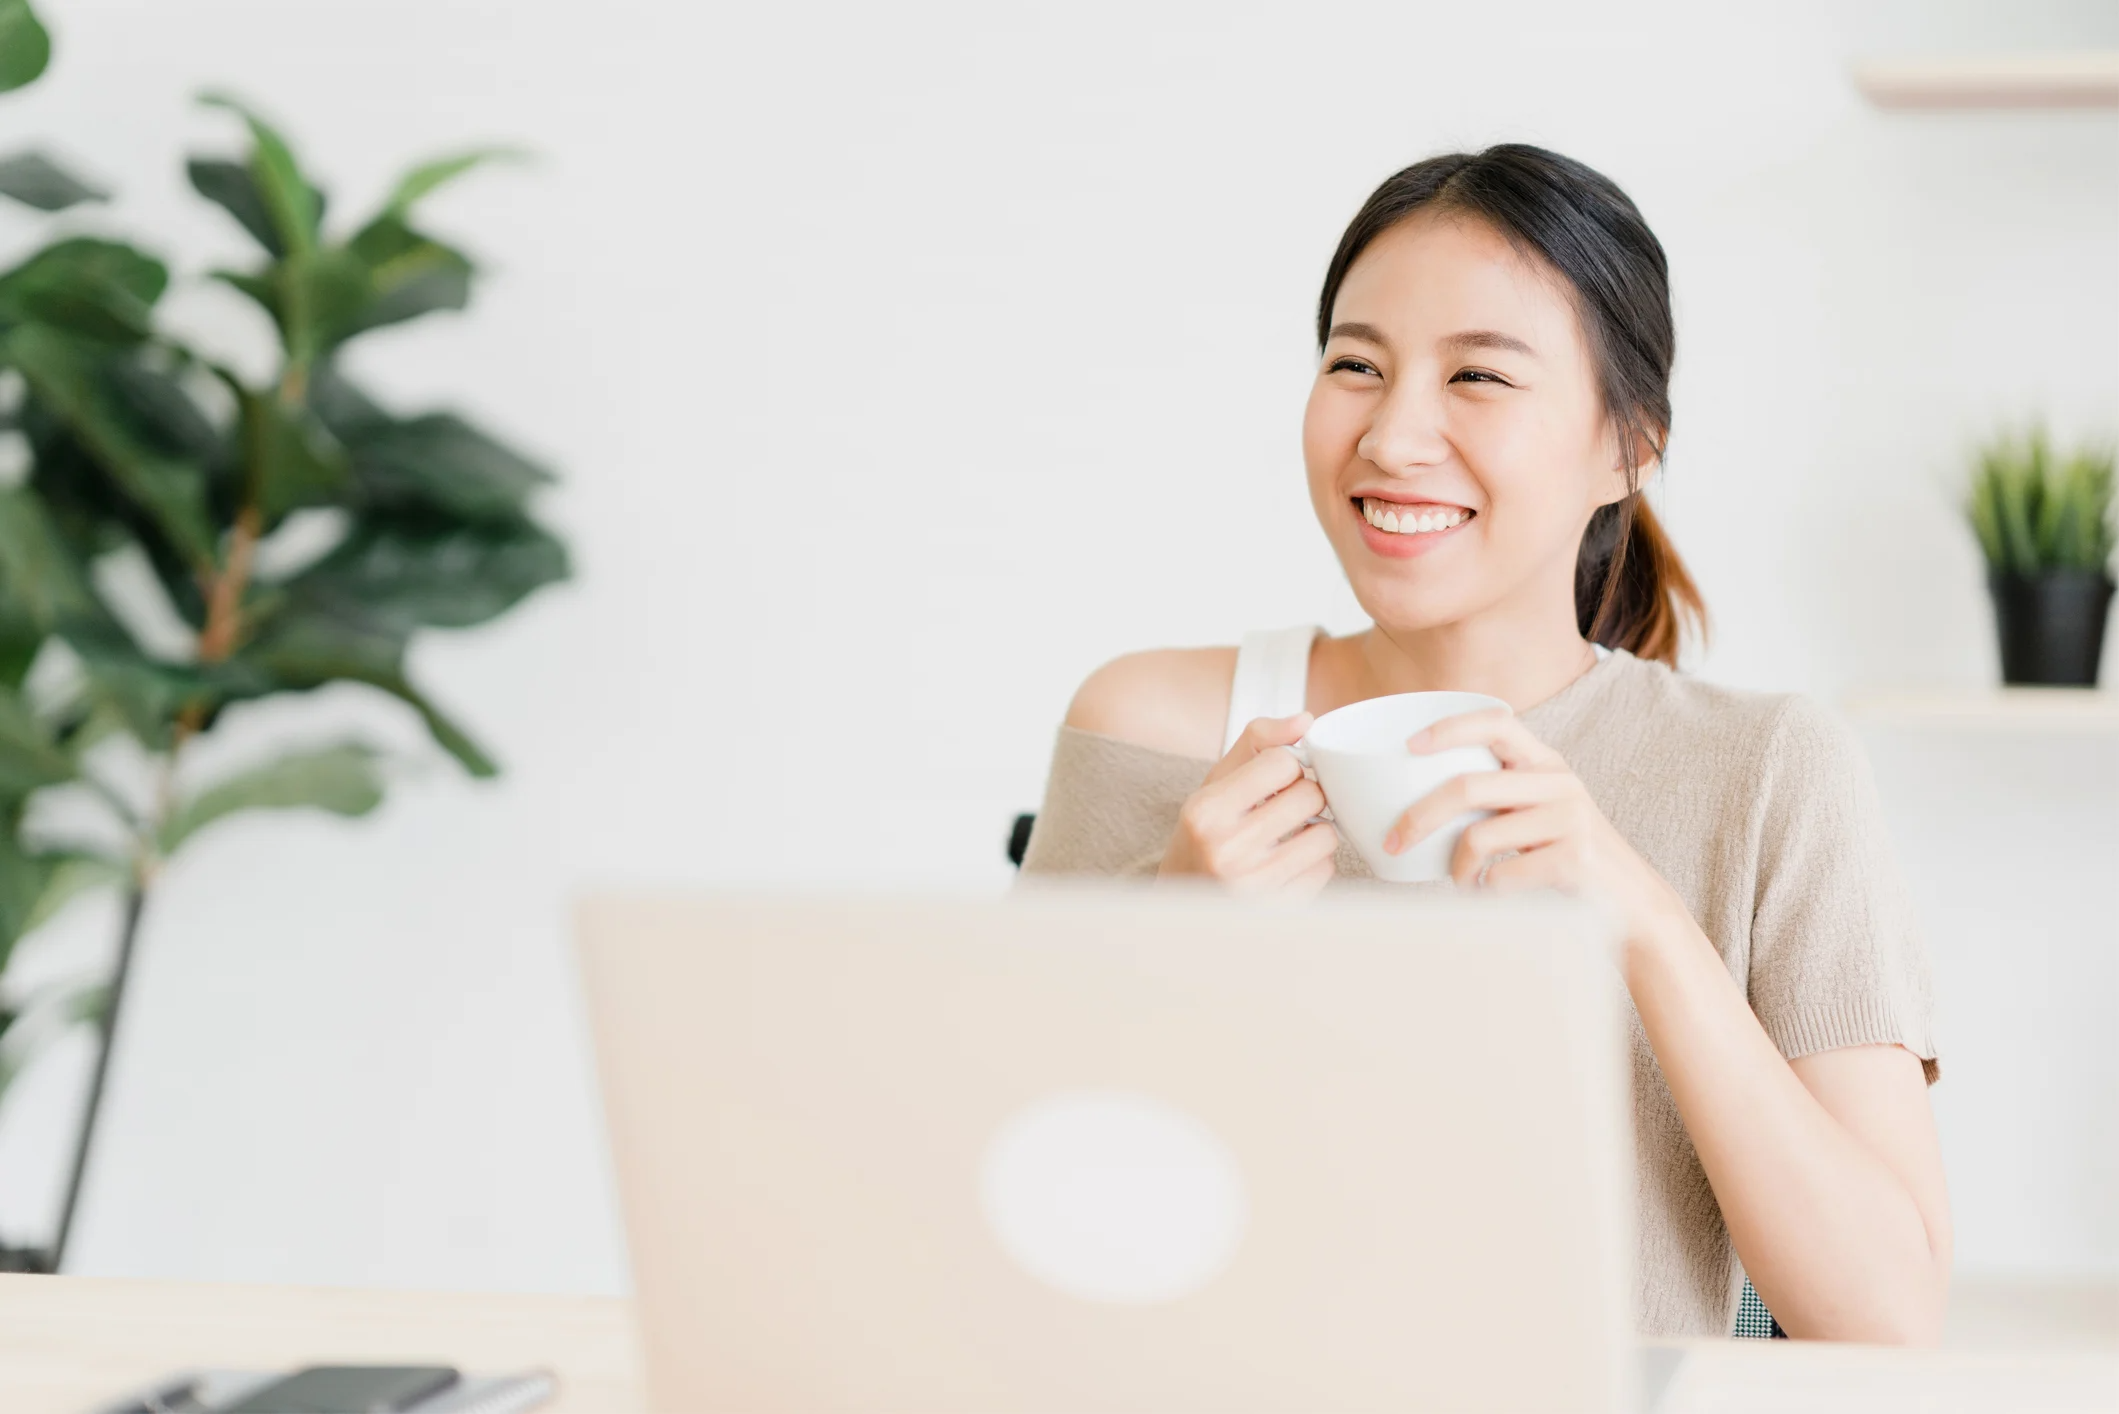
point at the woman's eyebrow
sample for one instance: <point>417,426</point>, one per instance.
<point>1462,342</point>
<point>1368,333</point>
<point>1486,339</point>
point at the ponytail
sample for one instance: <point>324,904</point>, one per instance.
<point>1631,589</point>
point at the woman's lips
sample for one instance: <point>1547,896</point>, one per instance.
<point>1444,521</point>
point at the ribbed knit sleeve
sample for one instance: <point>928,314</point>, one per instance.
<point>1836,955</point>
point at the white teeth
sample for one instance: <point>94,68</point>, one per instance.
<point>1411,523</point>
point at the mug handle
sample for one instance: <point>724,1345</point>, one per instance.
<point>1301,752</point>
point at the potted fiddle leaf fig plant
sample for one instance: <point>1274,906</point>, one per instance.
<point>281,535</point>
<point>2045,526</point>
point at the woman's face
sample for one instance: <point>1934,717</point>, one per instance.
<point>1456,400</point>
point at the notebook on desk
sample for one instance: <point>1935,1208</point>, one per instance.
<point>1105,1149</point>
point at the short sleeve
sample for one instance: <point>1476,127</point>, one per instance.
<point>1109,806</point>
<point>1837,957</point>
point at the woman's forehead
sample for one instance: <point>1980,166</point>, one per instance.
<point>1432,276</point>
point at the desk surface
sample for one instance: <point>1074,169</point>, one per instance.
<point>68,1344</point>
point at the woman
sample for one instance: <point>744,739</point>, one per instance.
<point>1492,393</point>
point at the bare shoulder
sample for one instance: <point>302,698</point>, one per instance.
<point>1168,699</point>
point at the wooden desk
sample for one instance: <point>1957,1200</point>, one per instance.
<point>68,1344</point>
<point>1779,1376</point>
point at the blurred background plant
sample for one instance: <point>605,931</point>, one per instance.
<point>175,538</point>
<point>2034,510</point>
<point>2045,525</point>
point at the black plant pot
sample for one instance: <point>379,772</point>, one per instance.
<point>2052,625</point>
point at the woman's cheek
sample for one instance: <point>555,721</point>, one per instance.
<point>1331,427</point>
<point>1517,463</point>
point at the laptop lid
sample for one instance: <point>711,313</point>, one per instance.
<point>1104,1149</point>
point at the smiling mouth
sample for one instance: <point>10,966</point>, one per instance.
<point>1397,518</point>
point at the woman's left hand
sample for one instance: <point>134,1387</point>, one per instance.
<point>1552,833</point>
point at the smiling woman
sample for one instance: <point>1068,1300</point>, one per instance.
<point>1492,395</point>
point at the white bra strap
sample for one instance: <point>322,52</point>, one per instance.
<point>1272,677</point>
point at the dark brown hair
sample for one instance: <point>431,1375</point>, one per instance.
<point>1631,589</point>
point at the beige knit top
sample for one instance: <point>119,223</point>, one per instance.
<point>1757,808</point>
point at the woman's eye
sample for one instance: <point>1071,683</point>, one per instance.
<point>1351,365</point>
<point>1478,375</point>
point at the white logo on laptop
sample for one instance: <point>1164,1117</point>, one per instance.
<point>1108,1195</point>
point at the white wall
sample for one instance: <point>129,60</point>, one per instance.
<point>905,362</point>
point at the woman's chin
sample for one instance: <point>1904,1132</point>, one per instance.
<point>1397,608</point>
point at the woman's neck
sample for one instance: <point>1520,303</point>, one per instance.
<point>1520,659</point>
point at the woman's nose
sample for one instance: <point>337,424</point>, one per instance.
<point>1407,431</point>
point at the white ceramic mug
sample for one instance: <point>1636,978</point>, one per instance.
<point>1359,758</point>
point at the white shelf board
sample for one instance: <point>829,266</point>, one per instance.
<point>2044,711</point>
<point>2084,78</point>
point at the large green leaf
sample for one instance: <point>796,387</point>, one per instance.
<point>290,457</point>
<point>72,876</point>
<point>77,383</point>
<point>260,288</point>
<point>232,187</point>
<point>440,462</point>
<point>35,180</point>
<point>409,274</point>
<point>290,202</point>
<point>25,48</point>
<point>389,273</point>
<point>29,758</point>
<point>340,779</point>
<point>101,289</point>
<point>427,176</point>
<point>305,646</point>
<point>21,639</point>
<point>348,412</point>
<point>42,585</point>
<point>316,297</point>
<point>92,516</point>
<point>38,572</point>
<point>150,694</point>
<point>445,576</point>
<point>450,737</point>
<point>323,295</point>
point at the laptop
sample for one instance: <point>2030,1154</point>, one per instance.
<point>1093,1148</point>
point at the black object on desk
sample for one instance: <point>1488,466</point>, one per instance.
<point>341,1389</point>
<point>348,1389</point>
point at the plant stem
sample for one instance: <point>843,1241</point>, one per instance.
<point>135,901</point>
<point>224,602</point>
<point>217,640</point>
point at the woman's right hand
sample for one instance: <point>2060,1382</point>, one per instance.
<point>1252,823</point>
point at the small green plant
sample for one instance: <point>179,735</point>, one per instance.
<point>2036,512</point>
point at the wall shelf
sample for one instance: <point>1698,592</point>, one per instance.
<point>2040,711</point>
<point>2087,78</point>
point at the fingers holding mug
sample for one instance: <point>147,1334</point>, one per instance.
<point>1300,865</point>
<point>1462,795</point>
<point>1257,736</point>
